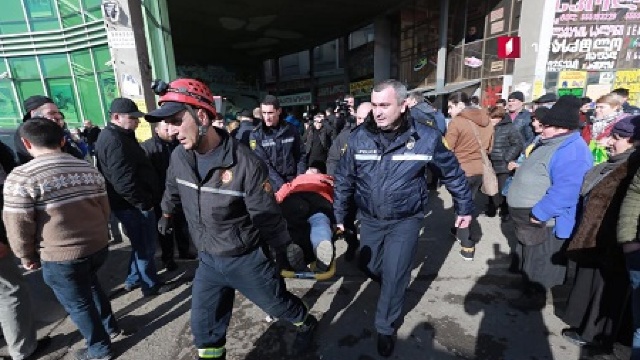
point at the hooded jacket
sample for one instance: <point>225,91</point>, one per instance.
<point>461,139</point>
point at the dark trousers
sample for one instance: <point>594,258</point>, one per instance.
<point>179,237</point>
<point>256,277</point>
<point>387,250</point>
<point>464,235</point>
<point>75,284</point>
<point>498,199</point>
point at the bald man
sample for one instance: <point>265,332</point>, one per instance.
<point>335,153</point>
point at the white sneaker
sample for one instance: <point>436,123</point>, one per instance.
<point>324,255</point>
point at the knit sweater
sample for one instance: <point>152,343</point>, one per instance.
<point>57,204</point>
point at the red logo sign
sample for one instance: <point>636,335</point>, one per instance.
<point>509,47</point>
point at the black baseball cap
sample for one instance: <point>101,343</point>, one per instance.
<point>165,111</point>
<point>125,106</point>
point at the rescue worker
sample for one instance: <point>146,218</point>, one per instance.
<point>383,170</point>
<point>228,201</point>
<point>278,144</point>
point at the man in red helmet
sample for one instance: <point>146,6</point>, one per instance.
<point>226,196</point>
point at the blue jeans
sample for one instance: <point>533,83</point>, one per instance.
<point>320,228</point>
<point>75,284</point>
<point>214,286</point>
<point>633,266</point>
<point>141,228</point>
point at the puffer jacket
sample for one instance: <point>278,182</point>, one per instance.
<point>507,146</point>
<point>389,182</point>
<point>462,141</point>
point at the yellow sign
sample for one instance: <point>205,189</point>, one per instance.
<point>572,79</point>
<point>538,88</point>
<point>629,79</point>
<point>143,132</point>
<point>361,88</point>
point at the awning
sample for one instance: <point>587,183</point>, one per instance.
<point>449,88</point>
<point>423,89</point>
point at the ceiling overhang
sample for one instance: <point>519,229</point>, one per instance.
<point>243,33</point>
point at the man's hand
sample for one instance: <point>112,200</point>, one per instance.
<point>534,220</point>
<point>512,165</point>
<point>4,250</point>
<point>340,227</point>
<point>463,221</point>
<point>165,225</point>
<point>30,264</point>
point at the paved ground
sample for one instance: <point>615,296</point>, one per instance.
<point>455,309</point>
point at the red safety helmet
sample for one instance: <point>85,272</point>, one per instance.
<point>189,91</point>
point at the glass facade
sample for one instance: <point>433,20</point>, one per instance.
<point>56,48</point>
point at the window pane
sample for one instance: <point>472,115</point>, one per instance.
<point>92,9</point>
<point>108,88</point>
<point>61,91</point>
<point>102,57</point>
<point>42,15</point>
<point>70,13</point>
<point>12,18</point>
<point>29,88</point>
<point>24,68</point>
<point>8,108</point>
<point>55,65</point>
<point>81,62</point>
<point>90,98</point>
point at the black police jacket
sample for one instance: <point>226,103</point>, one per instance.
<point>233,207</point>
<point>282,150</point>
<point>389,183</point>
<point>131,179</point>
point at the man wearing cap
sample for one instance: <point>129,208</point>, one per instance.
<point>278,144</point>
<point>133,189</point>
<point>243,132</point>
<point>547,100</point>
<point>520,117</point>
<point>225,193</point>
<point>42,106</point>
<point>543,199</point>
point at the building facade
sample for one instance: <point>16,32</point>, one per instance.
<point>57,48</point>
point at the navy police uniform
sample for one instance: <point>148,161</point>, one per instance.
<point>282,149</point>
<point>387,180</point>
<point>228,212</point>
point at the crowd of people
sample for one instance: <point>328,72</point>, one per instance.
<point>269,192</point>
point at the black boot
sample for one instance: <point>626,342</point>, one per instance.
<point>386,344</point>
<point>304,337</point>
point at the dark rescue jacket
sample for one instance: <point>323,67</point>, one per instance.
<point>233,207</point>
<point>391,183</point>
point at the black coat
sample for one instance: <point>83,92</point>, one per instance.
<point>131,179</point>
<point>336,151</point>
<point>159,153</point>
<point>325,134</point>
<point>507,145</point>
<point>243,131</point>
<point>232,209</point>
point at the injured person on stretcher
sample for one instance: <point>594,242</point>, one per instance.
<point>307,205</point>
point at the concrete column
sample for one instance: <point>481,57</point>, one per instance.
<point>441,66</point>
<point>381,49</point>
<point>535,40</point>
<point>128,47</point>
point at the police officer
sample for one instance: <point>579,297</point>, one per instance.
<point>278,144</point>
<point>383,170</point>
<point>229,205</point>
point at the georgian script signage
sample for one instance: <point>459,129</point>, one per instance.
<point>597,35</point>
<point>295,99</point>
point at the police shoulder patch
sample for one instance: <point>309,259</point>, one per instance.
<point>253,144</point>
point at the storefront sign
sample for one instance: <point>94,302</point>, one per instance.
<point>573,92</point>
<point>361,88</point>
<point>121,39</point>
<point>295,99</point>
<point>572,79</point>
<point>497,66</point>
<point>629,79</point>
